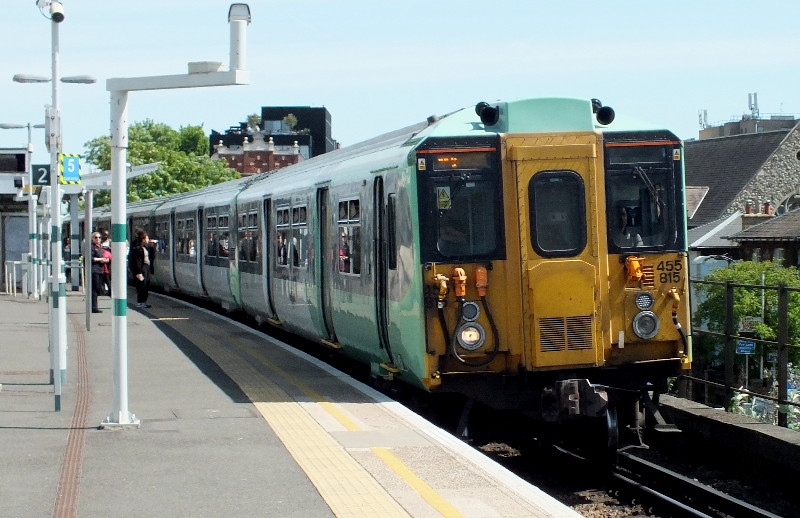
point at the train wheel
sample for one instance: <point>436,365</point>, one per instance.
<point>612,435</point>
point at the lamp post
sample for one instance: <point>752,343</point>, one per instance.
<point>33,236</point>
<point>58,312</point>
<point>200,74</point>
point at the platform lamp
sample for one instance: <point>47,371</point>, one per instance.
<point>54,11</point>
<point>33,236</point>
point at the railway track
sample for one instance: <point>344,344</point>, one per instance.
<point>688,496</point>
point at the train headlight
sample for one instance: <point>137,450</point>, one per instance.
<point>470,311</point>
<point>470,335</point>
<point>644,300</point>
<point>646,325</point>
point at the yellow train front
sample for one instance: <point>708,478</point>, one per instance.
<point>554,260</point>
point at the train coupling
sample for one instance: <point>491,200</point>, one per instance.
<point>578,397</point>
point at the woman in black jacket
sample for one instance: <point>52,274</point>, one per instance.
<point>140,263</point>
<point>98,261</point>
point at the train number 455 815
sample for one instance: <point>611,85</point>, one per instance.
<point>669,271</point>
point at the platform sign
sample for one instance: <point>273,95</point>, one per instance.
<point>69,169</point>
<point>745,347</point>
<point>41,174</point>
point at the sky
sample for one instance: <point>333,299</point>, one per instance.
<point>382,65</point>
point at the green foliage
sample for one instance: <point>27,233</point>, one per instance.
<point>748,301</point>
<point>185,164</point>
<point>254,122</point>
<point>290,120</point>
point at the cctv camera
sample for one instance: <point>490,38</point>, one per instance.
<point>56,12</point>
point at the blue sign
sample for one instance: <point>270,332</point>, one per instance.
<point>772,357</point>
<point>70,169</point>
<point>745,347</point>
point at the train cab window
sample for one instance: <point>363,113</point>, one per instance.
<point>641,209</point>
<point>223,236</point>
<point>557,213</point>
<point>461,209</point>
<point>349,237</point>
<point>299,248</point>
<point>282,235</point>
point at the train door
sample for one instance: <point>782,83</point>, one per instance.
<point>325,265</point>
<point>267,272</point>
<point>381,265</point>
<point>173,245</point>
<point>557,196</point>
<point>195,243</point>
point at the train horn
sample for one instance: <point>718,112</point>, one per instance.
<point>603,114</point>
<point>489,114</point>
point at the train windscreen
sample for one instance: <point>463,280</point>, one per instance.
<point>461,205</point>
<point>644,197</point>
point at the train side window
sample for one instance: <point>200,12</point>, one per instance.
<point>181,238</point>
<point>391,231</point>
<point>282,233</point>
<point>253,236</point>
<point>211,228</point>
<point>350,237</point>
<point>299,237</point>
<point>191,248</point>
<point>558,213</point>
<point>223,236</point>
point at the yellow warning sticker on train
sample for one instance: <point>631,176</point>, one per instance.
<point>421,164</point>
<point>443,197</point>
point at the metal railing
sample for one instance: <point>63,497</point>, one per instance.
<point>730,337</point>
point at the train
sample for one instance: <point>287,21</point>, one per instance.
<point>530,255</point>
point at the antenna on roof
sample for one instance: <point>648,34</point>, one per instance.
<point>702,118</point>
<point>752,104</point>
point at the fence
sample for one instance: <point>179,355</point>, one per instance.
<point>730,337</point>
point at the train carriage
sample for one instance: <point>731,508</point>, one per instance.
<point>528,254</point>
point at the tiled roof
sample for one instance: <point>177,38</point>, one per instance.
<point>778,228</point>
<point>725,165</point>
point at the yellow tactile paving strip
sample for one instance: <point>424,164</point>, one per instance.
<point>346,486</point>
<point>345,448</point>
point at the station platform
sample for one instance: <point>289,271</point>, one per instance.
<point>232,423</point>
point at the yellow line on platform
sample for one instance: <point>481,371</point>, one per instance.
<point>347,487</point>
<point>425,491</point>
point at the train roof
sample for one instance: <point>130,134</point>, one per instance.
<point>533,115</point>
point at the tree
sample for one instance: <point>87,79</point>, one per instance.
<point>290,120</point>
<point>185,164</point>
<point>749,302</point>
<point>253,122</point>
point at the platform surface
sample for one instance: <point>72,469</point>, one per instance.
<point>231,423</point>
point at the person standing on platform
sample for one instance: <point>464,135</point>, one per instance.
<point>140,261</point>
<point>105,244</point>
<point>98,262</point>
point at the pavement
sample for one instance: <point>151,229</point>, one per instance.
<point>231,423</point>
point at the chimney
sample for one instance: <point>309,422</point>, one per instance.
<point>748,207</point>
<point>767,208</point>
